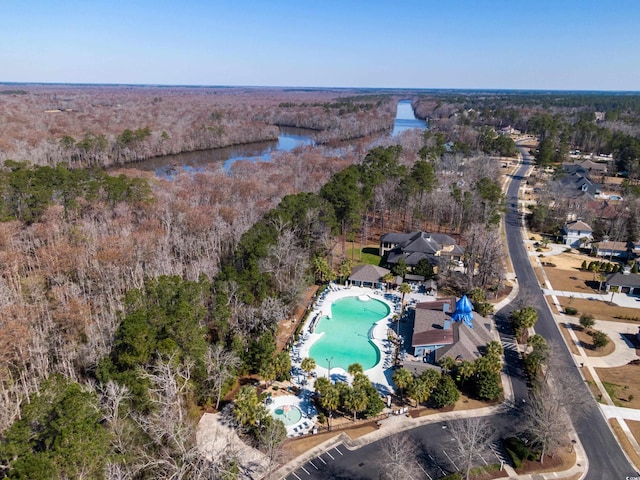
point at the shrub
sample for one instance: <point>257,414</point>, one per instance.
<point>519,449</point>
<point>517,463</point>
<point>586,320</point>
<point>600,339</point>
<point>571,310</point>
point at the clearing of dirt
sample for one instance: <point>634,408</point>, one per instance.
<point>601,310</point>
<point>571,280</point>
<point>287,326</point>
<point>622,384</point>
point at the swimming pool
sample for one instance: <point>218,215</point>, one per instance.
<point>289,414</point>
<point>346,333</point>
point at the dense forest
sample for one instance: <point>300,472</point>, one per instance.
<point>106,126</point>
<point>131,303</point>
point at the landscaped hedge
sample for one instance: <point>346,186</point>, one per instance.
<point>518,451</point>
<point>571,311</point>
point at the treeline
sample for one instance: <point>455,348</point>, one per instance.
<point>26,192</point>
<point>106,126</point>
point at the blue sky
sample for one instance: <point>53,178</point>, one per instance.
<point>542,44</point>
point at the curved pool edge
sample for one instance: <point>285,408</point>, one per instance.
<point>376,373</point>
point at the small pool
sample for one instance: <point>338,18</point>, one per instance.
<point>346,333</point>
<point>289,414</point>
<point>615,197</point>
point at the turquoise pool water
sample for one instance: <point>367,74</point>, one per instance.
<point>289,414</point>
<point>346,333</point>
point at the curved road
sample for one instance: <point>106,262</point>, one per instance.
<point>606,459</point>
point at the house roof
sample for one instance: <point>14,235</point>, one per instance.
<point>428,328</point>
<point>414,278</point>
<point>578,225</point>
<point>437,304</point>
<point>576,181</point>
<point>459,339</point>
<point>368,273</point>
<point>610,245</point>
<point>415,246</point>
<point>620,279</point>
<point>468,341</point>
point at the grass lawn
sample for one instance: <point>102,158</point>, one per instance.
<point>601,310</point>
<point>624,441</point>
<point>363,256</point>
<point>622,384</point>
<point>634,426</point>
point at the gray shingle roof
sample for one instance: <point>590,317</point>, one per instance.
<point>368,274</point>
<point>619,279</point>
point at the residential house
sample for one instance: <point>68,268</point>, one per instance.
<point>445,327</point>
<point>610,249</point>
<point>438,248</point>
<point>576,182</point>
<point>624,282</point>
<point>575,234</point>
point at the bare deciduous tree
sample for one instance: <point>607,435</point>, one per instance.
<point>220,364</point>
<point>399,458</point>
<point>472,437</point>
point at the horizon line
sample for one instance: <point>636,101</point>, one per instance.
<point>319,88</point>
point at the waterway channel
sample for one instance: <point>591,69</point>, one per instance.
<point>289,139</point>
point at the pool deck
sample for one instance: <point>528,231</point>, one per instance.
<point>304,403</point>
<point>381,373</point>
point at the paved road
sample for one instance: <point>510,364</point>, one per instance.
<point>606,459</point>
<point>434,460</point>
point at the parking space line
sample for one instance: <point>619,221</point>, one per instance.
<point>305,470</point>
<point>336,449</point>
<point>294,474</point>
<point>437,465</point>
<point>331,456</point>
<point>313,465</point>
<point>322,460</point>
<point>425,472</point>
<point>452,462</point>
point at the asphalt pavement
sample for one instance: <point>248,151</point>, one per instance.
<point>605,456</point>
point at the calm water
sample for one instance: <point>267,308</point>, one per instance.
<point>406,119</point>
<point>289,139</point>
<point>346,333</point>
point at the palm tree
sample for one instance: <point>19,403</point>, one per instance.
<point>344,269</point>
<point>268,372</point>
<point>307,365</point>
<point>356,400</point>
<point>403,379</point>
<point>355,368</point>
<point>388,278</point>
<point>329,400</point>
<point>494,348</point>
<point>466,370</point>
<point>603,278</point>
<point>420,390</point>
<point>447,363</point>
<point>404,289</point>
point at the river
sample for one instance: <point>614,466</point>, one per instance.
<point>406,119</point>
<point>289,139</point>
